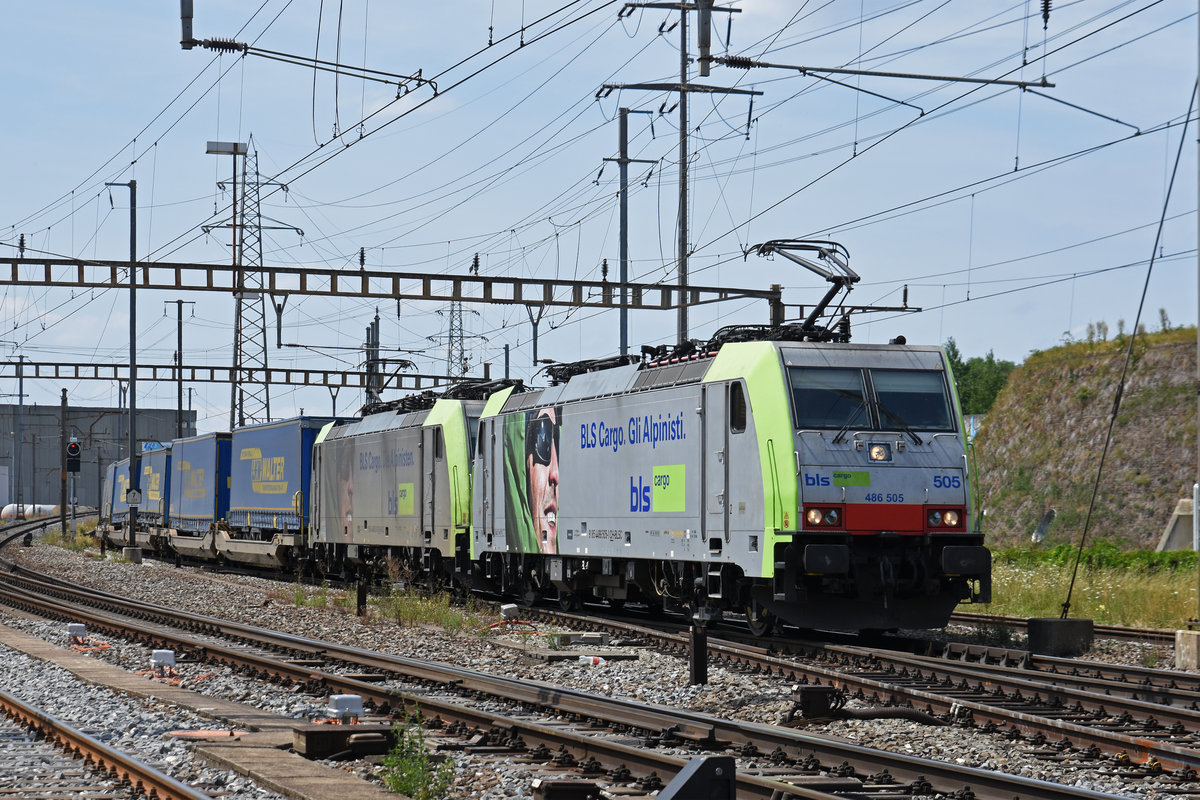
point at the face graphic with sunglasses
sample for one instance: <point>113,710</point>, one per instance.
<point>541,467</point>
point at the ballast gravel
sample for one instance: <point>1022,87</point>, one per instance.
<point>136,727</point>
<point>652,678</point>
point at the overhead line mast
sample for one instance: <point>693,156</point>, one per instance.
<point>704,9</point>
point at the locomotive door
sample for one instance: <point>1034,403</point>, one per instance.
<point>430,452</point>
<point>315,498</point>
<point>715,475</point>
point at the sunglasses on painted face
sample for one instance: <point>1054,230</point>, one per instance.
<point>540,437</point>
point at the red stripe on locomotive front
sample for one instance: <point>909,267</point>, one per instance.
<point>872,517</point>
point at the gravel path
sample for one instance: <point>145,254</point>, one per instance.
<point>652,677</point>
<point>136,727</point>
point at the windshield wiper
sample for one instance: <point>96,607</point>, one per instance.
<point>900,423</point>
<point>862,405</point>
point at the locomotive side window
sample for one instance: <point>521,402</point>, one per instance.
<point>737,408</point>
<point>472,435</point>
<point>912,398</point>
<point>826,397</point>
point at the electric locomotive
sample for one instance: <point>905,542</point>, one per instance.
<point>391,492</point>
<point>822,484</point>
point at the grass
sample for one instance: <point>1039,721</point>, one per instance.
<point>410,770</point>
<point>409,608</point>
<point>1140,597</point>
<point>56,538</point>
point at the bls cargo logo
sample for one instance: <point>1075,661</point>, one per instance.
<point>665,490</point>
<point>840,478</point>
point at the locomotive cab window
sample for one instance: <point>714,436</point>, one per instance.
<point>912,398</point>
<point>737,408</point>
<point>824,397</point>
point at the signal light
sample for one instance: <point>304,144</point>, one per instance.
<point>74,451</point>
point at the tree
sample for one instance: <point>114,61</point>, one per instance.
<point>978,380</point>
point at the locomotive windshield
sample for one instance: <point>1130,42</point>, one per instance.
<point>828,398</point>
<point>916,399</point>
<point>861,399</point>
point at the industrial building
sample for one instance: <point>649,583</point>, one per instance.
<point>103,435</point>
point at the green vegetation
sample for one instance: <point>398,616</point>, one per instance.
<point>410,770</point>
<point>1039,448</point>
<point>56,538</point>
<point>978,380</point>
<point>1114,587</point>
<point>413,608</point>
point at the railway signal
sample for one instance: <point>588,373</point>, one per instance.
<point>74,451</point>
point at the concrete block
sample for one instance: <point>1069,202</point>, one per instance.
<point>162,658</point>
<point>321,741</point>
<point>1178,533</point>
<point>132,554</point>
<point>1187,649</point>
<point>1065,638</point>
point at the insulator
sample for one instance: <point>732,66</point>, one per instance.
<point>604,269</point>
<point>224,45</point>
<point>362,257</point>
<point>738,62</point>
<point>1045,13</point>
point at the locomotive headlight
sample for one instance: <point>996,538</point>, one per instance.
<point>950,519</point>
<point>814,516</point>
<point>880,452</point>
<point>935,519</point>
<point>831,517</point>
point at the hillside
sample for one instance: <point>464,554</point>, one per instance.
<point>1039,447</point>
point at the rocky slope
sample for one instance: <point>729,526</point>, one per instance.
<point>1039,447</point>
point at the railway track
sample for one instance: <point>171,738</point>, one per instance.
<point>1150,730</point>
<point>615,735</point>
<point>1018,624</point>
<point>44,757</point>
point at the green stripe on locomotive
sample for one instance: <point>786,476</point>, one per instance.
<point>972,521</point>
<point>495,403</point>
<point>759,365</point>
<point>451,416</point>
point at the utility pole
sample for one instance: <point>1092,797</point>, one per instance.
<point>234,149</point>
<point>18,494</point>
<point>623,161</point>
<point>179,363</point>
<point>250,394</point>
<point>684,88</point>
<point>534,321</point>
<point>682,245</point>
<point>133,495</point>
<point>62,465</point>
<point>456,348</point>
<point>371,346</point>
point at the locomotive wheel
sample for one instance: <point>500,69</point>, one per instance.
<point>527,595</point>
<point>568,601</point>
<point>760,620</point>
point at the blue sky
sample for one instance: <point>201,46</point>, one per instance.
<point>506,161</point>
